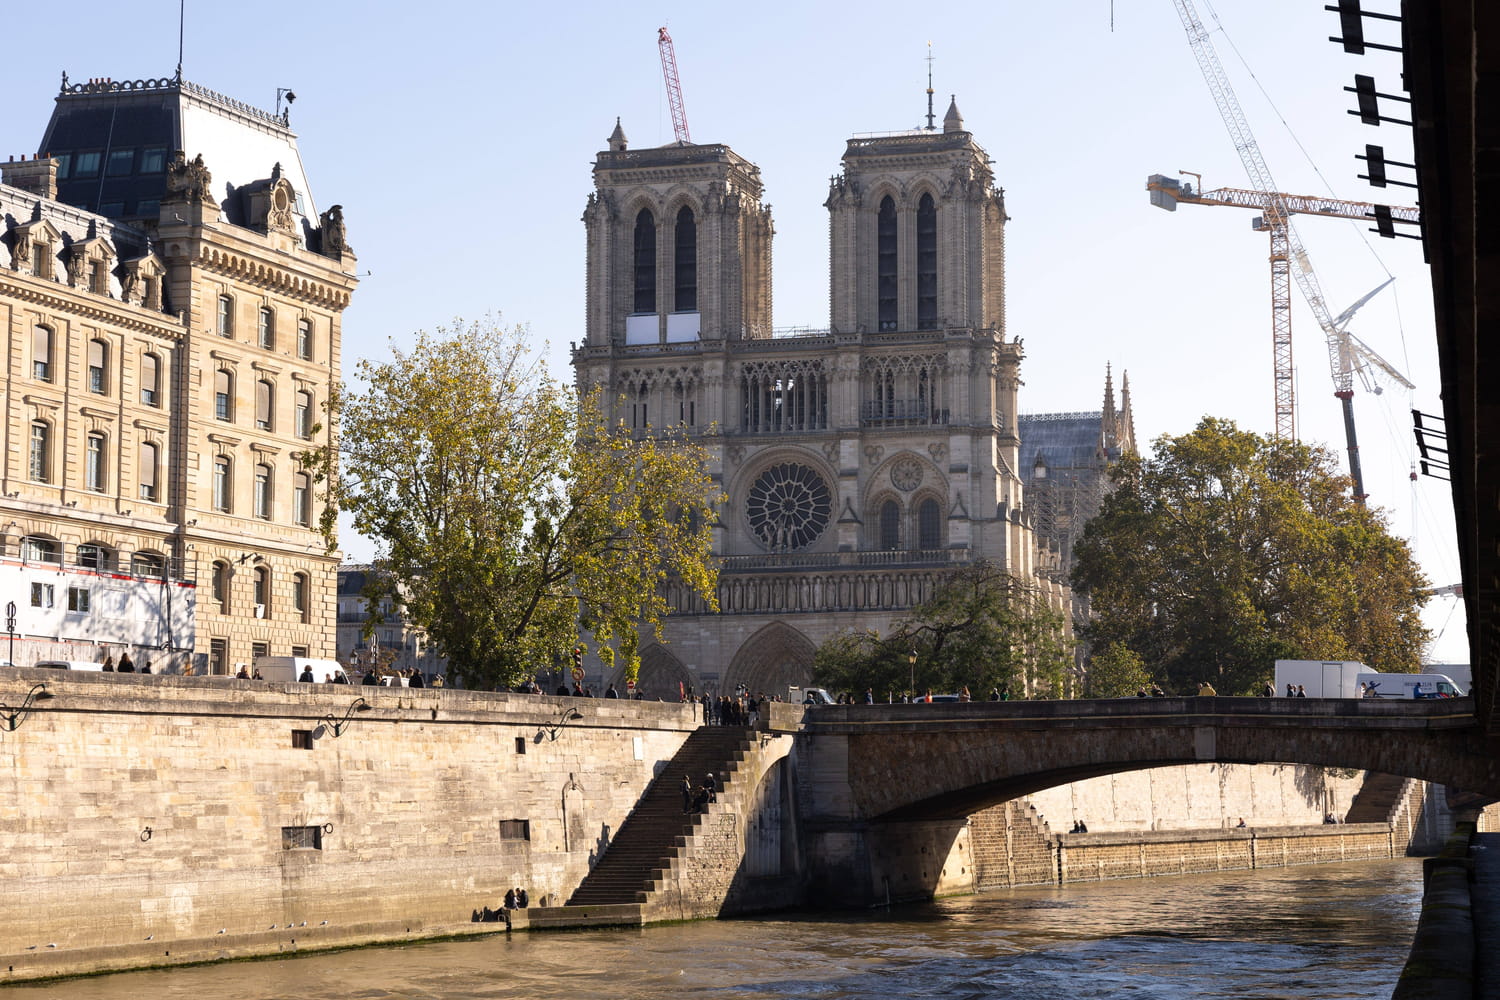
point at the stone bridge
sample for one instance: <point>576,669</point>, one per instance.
<point>896,782</point>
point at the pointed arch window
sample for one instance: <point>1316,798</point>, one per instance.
<point>885,264</point>
<point>890,525</point>
<point>927,281</point>
<point>685,262</point>
<point>645,262</point>
<point>929,525</point>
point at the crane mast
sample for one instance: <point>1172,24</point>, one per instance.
<point>674,86</point>
<point>1288,257</point>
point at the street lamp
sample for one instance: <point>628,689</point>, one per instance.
<point>339,725</point>
<point>10,626</point>
<point>12,718</point>
<point>911,681</point>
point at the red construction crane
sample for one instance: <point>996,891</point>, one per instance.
<point>674,86</point>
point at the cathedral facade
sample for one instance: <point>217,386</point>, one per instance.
<point>862,464</point>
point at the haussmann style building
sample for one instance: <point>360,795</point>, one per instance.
<point>171,298</point>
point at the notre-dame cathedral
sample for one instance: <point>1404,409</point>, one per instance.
<point>863,464</point>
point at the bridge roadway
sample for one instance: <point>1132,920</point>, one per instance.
<point>891,763</point>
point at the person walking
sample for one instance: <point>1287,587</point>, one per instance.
<point>687,795</point>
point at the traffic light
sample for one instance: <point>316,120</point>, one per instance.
<point>577,657</point>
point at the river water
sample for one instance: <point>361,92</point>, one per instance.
<point>1321,931</point>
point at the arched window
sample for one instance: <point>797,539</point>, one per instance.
<point>927,318</point>
<point>262,592</point>
<point>302,499</point>
<point>41,353</point>
<point>93,556</point>
<point>39,464</point>
<point>98,366</point>
<point>890,525</point>
<point>223,483</point>
<point>226,316</point>
<point>150,380</point>
<point>224,394</point>
<point>304,339</point>
<point>265,403</point>
<point>151,564</point>
<point>303,419</point>
<point>263,491</point>
<point>148,462</point>
<point>35,549</point>
<point>929,525</point>
<point>885,264</point>
<point>685,262</point>
<point>94,462</point>
<point>266,329</point>
<point>638,414</point>
<point>645,262</point>
<point>301,596</point>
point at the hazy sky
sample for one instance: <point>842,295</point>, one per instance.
<point>459,137</point>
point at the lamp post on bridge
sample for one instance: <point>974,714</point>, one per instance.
<point>911,680</point>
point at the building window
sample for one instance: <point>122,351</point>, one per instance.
<point>78,600</point>
<point>263,491</point>
<point>87,165</point>
<point>926,264</point>
<point>304,414</point>
<point>99,277</point>
<point>299,651</point>
<point>151,564</point>
<point>685,263</point>
<point>645,262</point>
<point>226,316</point>
<point>98,361</point>
<point>92,556</point>
<point>120,163</point>
<point>302,499</point>
<point>41,259</point>
<point>885,264</point>
<point>40,550</point>
<point>223,483</point>
<point>148,461</point>
<point>150,380</point>
<point>93,463</point>
<point>259,650</point>
<point>301,592</point>
<point>218,657</point>
<point>41,595</point>
<point>224,394</point>
<point>890,525</point>
<point>302,739</point>
<point>265,400</point>
<point>304,339</point>
<point>40,464</point>
<point>266,329</point>
<point>515,829</point>
<point>639,415</point>
<point>41,354</point>
<point>302,838</point>
<point>929,525</point>
<point>220,586</point>
<point>153,159</point>
<point>262,592</point>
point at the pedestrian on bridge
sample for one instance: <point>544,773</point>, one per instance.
<point>1206,690</point>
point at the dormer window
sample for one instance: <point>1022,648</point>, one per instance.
<point>41,259</point>
<point>99,277</point>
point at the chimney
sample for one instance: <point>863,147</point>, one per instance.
<point>37,176</point>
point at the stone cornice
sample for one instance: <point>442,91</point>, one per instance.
<point>89,306</point>
<point>288,281</point>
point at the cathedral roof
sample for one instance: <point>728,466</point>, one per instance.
<point>1060,441</point>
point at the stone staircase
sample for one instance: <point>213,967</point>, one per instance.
<point>643,849</point>
<point>1376,797</point>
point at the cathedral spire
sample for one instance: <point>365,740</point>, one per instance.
<point>930,116</point>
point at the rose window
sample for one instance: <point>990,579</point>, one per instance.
<point>788,507</point>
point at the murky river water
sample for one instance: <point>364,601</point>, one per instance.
<point>1321,931</point>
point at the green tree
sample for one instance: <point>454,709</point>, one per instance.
<point>1228,550</point>
<point>507,512</point>
<point>1116,671</point>
<point>981,629</point>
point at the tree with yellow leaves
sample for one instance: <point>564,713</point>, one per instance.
<point>509,516</point>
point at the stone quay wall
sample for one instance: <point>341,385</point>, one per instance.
<point>159,820</point>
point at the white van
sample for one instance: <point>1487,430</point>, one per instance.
<point>290,668</point>
<point>1410,686</point>
<point>71,665</point>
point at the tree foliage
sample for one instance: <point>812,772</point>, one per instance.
<point>507,509</point>
<point>982,629</point>
<point>1228,550</point>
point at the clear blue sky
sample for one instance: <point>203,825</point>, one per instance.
<point>459,138</point>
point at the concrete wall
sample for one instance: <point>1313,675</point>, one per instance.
<point>141,819</point>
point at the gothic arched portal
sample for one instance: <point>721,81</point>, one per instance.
<point>662,675</point>
<point>771,660</point>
